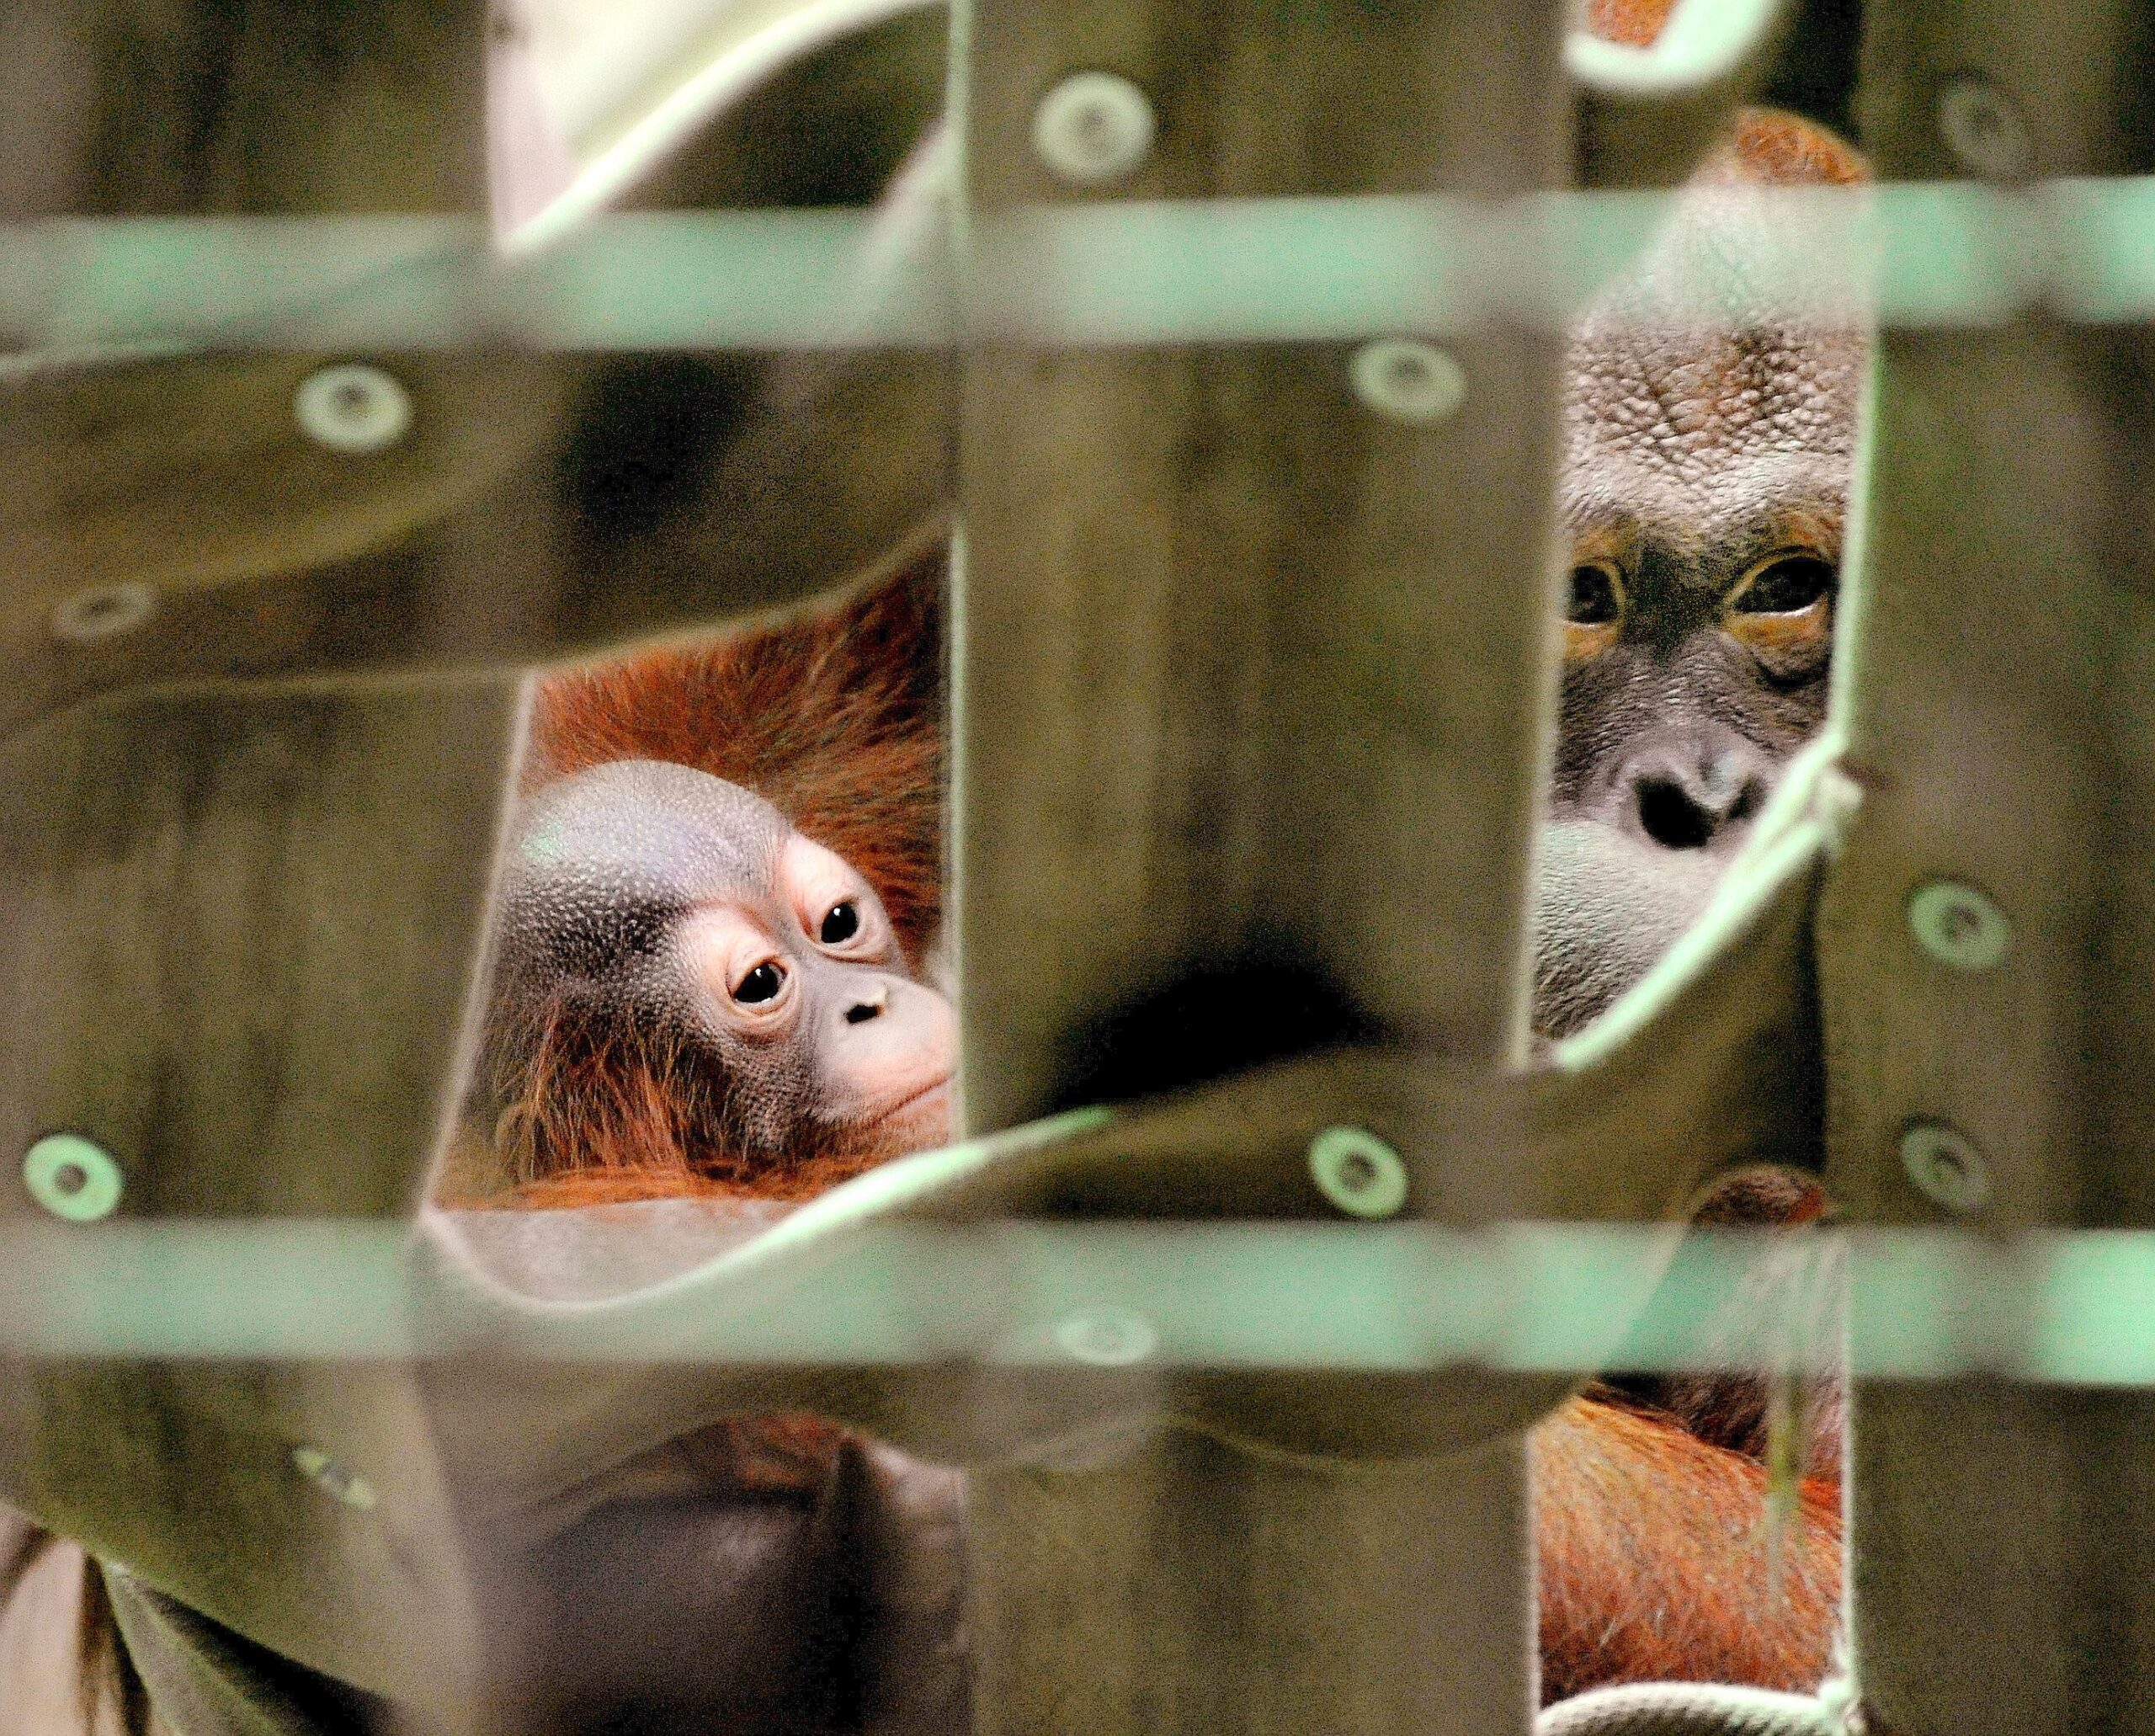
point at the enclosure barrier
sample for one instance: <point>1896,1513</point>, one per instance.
<point>1244,657</point>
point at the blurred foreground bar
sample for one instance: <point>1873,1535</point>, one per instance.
<point>2072,1308</point>
<point>1149,271</point>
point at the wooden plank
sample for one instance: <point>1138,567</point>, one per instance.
<point>241,916</point>
<point>2001,705</point>
<point>1248,674</point>
<point>1234,643</point>
<point>240,931</point>
<point>248,925</point>
<point>473,545</point>
<point>1309,1600</point>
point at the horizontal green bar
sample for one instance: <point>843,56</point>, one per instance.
<point>1128,272</point>
<point>2073,1307</point>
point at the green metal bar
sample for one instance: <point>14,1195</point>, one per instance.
<point>2076,1308</point>
<point>1128,273</point>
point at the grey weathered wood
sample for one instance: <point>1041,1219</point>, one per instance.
<point>464,547</point>
<point>1228,635</point>
<point>240,931</point>
<point>243,929</point>
<point>2000,707</point>
<point>1333,1601</point>
<point>1246,670</point>
<point>539,505</point>
<point>262,106</point>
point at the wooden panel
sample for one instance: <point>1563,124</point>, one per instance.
<point>240,920</point>
<point>240,933</point>
<point>258,106</point>
<point>537,509</point>
<point>247,926</point>
<point>1349,1608</point>
<point>1248,675</point>
<point>1245,666</point>
<point>2000,697</point>
<point>1984,715</point>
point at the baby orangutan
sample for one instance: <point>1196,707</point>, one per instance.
<point>700,989</point>
<point>690,991</point>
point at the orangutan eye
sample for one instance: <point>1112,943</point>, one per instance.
<point>760,985</point>
<point>1786,587</point>
<point>1596,599</point>
<point>841,922</point>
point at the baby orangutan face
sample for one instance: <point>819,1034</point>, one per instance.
<point>673,952</point>
<point>805,963</point>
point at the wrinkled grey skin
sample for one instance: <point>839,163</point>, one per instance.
<point>606,862</point>
<point>603,870</point>
<point>1690,447</point>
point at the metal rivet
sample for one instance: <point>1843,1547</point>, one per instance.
<point>1094,127</point>
<point>73,1178</point>
<point>1958,925</point>
<point>1107,1338</point>
<point>102,611</point>
<point>352,408</point>
<point>1946,1166</point>
<point>1983,128</point>
<point>334,1477</point>
<point>1358,1172</point>
<point>1408,380</point>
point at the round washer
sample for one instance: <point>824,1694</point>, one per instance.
<point>72,1177</point>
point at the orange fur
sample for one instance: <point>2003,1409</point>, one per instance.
<point>834,717</point>
<point>597,1110</point>
<point>787,1452</point>
<point>1657,1562</point>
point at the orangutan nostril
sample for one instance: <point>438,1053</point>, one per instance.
<point>1671,817</point>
